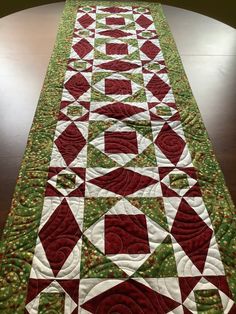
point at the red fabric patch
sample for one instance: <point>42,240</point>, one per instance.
<point>119,111</point>
<point>115,10</point>
<point>82,48</point>
<point>126,234</point>
<point>116,33</point>
<point>59,236</point>
<point>130,296</point>
<point>170,143</point>
<point>118,87</point>
<point>116,49</point>
<point>35,286</point>
<point>186,285</point>
<point>192,233</point>
<point>150,50</point>
<point>85,20</point>
<point>193,191</point>
<point>70,143</point>
<point>121,142</point>
<point>232,310</point>
<point>118,66</point>
<point>115,21</point>
<point>186,311</point>
<point>221,283</point>
<point>143,21</point>
<point>158,87</point>
<point>167,192</point>
<point>77,85</point>
<point>123,181</point>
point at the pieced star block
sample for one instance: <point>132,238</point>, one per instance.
<point>65,182</point>
<point>126,236</point>
<point>121,143</point>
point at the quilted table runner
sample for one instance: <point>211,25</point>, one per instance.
<point>120,205</point>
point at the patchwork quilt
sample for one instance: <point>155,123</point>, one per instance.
<point>120,205</point>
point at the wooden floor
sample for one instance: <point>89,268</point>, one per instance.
<point>208,52</point>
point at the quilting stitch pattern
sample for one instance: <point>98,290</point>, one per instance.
<point>124,227</point>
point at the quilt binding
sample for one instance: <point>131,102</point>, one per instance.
<point>17,247</point>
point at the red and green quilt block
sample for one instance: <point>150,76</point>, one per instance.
<point>126,234</point>
<point>125,226</point>
<point>122,180</point>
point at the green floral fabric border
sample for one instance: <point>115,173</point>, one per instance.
<point>215,193</point>
<point>20,233</point>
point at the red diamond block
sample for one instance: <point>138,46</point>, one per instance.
<point>118,110</point>
<point>59,236</point>
<point>118,87</point>
<point>82,48</point>
<point>118,65</point>
<point>123,181</point>
<point>170,143</point>
<point>115,10</point>
<point>116,49</point>
<point>116,33</point>
<point>143,21</point>
<point>121,142</point>
<point>77,85</point>
<point>126,234</point>
<point>70,143</point>
<point>85,20</point>
<point>192,233</point>
<point>150,49</point>
<point>158,87</point>
<point>115,21</point>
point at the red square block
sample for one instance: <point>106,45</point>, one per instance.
<point>121,142</point>
<point>126,234</point>
<point>118,87</point>
<point>115,21</point>
<point>116,49</point>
